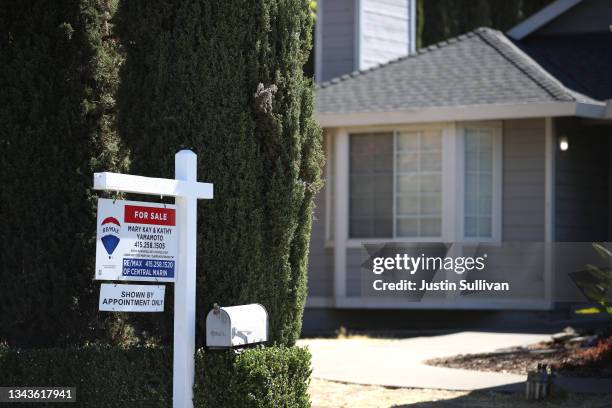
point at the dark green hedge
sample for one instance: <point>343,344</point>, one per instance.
<point>104,376</point>
<point>258,378</point>
<point>142,377</point>
<point>225,79</point>
<point>58,76</point>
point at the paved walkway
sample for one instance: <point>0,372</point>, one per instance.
<point>398,363</point>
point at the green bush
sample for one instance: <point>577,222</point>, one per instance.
<point>103,376</point>
<point>58,77</point>
<point>225,79</point>
<point>257,378</point>
<point>142,377</point>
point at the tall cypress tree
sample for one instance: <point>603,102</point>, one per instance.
<point>58,75</point>
<point>225,79</point>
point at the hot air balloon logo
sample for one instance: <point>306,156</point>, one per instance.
<point>110,229</point>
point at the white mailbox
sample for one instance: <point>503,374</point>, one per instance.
<point>236,326</point>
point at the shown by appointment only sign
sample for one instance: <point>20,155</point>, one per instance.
<point>136,241</point>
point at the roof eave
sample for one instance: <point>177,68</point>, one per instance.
<point>540,19</point>
<point>463,113</point>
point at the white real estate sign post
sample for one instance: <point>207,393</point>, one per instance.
<point>187,191</point>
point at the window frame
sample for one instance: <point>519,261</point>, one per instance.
<point>453,158</point>
<point>447,132</point>
<point>497,175</point>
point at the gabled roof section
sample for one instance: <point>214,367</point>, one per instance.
<point>541,18</point>
<point>481,68</point>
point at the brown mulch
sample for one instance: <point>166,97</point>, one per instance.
<point>567,357</point>
<point>590,361</point>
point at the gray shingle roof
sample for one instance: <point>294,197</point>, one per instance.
<point>481,67</point>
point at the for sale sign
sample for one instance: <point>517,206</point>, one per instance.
<point>136,241</point>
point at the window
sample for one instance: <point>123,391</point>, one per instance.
<point>407,201</point>
<point>371,185</point>
<point>479,201</point>
<point>426,184</point>
<point>418,193</point>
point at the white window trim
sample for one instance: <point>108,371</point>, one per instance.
<point>449,154</point>
<point>496,213</point>
<point>329,185</point>
<point>452,181</point>
<point>394,186</point>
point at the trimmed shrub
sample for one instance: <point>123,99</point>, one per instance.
<point>58,75</point>
<point>257,378</point>
<point>111,377</point>
<point>225,79</point>
<point>103,376</point>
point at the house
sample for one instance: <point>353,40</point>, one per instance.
<point>488,137</point>
<point>356,35</point>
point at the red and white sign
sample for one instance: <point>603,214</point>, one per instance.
<point>136,241</point>
<point>150,215</point>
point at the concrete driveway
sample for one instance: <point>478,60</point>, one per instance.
<point>398,362</point>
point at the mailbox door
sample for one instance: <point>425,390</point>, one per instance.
<point>218,329</point>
